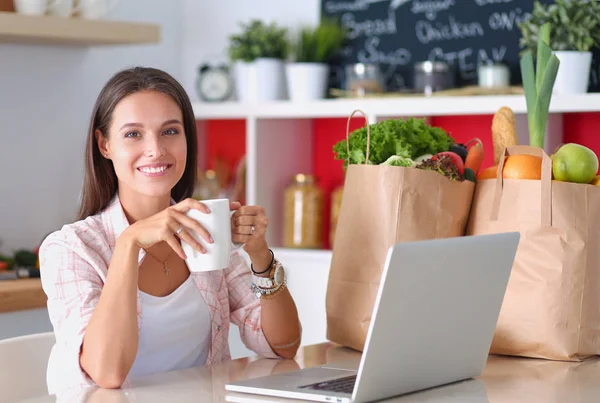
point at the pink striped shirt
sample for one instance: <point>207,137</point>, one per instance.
<point>74,263</point>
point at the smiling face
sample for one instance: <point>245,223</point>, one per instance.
<point>146,143</point>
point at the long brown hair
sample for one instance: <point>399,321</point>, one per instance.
<point>100,181</point>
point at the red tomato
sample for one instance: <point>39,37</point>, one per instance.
<point>455,158</point>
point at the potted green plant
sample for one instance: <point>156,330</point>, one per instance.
<point>575,31</point>
<point>313,50</point>
<point>258,54</point>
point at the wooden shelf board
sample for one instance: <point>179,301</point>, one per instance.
<point>17,28</point>
<point>22,294</point>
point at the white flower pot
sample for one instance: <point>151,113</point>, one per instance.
<point>307,81</point>
<point>573,72</point>
<point>260,80</point>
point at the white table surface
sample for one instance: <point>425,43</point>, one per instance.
<point>506,380</point>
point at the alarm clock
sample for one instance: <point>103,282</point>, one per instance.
<point>214,83</point>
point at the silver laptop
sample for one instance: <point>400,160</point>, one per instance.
<point>433,321</point>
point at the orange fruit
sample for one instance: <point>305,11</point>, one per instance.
<point>516,167</point>
<point>522,167</point>
<point>488,173</point>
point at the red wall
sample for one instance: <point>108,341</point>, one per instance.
<point>226,140</point>
<point>582,128</point>
<point>329,171</point>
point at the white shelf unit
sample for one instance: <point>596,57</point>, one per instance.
<point>279,134</point>
<point>307,273</point>
<point>407,106</point>
<point>279,139</point>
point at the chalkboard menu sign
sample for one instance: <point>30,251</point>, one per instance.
<point>396,34</point>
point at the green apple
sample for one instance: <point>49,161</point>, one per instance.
<point>574,163</point>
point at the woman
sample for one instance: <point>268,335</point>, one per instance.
<point>120,296</point>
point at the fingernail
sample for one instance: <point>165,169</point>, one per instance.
<point>207,210</point>
<point>210,239</point>
<point>184,256</point>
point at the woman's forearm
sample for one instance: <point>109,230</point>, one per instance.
<point>279,316</point>
<point>111,338</point>
<point>280,324</point>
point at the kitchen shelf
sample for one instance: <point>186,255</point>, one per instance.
<point>281,139</point>
<point>48,30</point>
<point>387,106</point>
<point>22,294</point>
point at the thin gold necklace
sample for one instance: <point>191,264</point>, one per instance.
<point>165,267</point>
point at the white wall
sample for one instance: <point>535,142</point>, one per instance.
<point>47,93</point>
<point>208,24</point>
<point>46,97</point>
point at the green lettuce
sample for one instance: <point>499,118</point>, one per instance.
<point>398,161</point>
<point>408,138</point>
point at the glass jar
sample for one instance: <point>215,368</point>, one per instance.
<point>363,79</point>
<point>433,76</point>
<point>303,214</point>
<point>207,185</point>
<point>336,202</point>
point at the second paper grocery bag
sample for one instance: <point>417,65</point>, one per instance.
<point>383,205</point>
<point>551,308</point>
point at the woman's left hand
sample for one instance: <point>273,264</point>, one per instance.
<point>249,226</point>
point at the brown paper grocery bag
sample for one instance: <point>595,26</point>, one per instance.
<point>381,206</point>
<point>552,304</point>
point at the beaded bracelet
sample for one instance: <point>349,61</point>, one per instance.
<point>274,293</point>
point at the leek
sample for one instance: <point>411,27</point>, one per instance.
<point>538,86</point>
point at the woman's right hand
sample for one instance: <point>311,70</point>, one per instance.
<point>169,225</point>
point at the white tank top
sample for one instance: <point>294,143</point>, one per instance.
<point>175,331</point>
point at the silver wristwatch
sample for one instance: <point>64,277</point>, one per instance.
<point>267,285</point>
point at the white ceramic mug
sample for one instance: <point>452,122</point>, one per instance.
<point>95,9</point>
<point>493,75</point>
<point>31,7</point>
<point>61,8</point>
<point>218,225</point>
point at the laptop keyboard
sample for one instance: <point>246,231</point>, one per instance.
<point>342,385</point>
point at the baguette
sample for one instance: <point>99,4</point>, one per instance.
<point>504,131</point>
